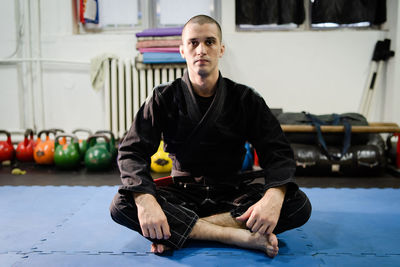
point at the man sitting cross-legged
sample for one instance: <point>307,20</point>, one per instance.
<point>204,120</point>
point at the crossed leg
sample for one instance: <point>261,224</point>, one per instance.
<point>225,229</point>
<point>222,227</point>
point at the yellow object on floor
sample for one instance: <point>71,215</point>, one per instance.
<point>6,163</point>
<point>17,171</point>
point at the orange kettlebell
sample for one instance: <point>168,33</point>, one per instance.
<point>44,150</point>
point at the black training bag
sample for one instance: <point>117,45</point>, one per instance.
<point>345,139</point>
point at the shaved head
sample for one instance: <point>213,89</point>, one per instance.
<point>204,19</point>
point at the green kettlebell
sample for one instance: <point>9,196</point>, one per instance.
<point>83,145</point>
<point>98,156</point>
<point>56,131</point>
<point>114,150</point>
<point>67,156</point>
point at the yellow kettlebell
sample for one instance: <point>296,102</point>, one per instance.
<point>160,162</point>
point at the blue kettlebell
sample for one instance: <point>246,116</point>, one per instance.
<point>249,158</point>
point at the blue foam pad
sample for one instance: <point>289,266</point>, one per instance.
<point>29,213</point>
<point>179,260</point>
<point>370,201</point>
<point>9,259</point>
<point>71,226</point>
<point>358,260</point>
<point>91,229</point>
<point>356,221</point>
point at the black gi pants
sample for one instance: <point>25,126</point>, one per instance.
<point>183,207</point>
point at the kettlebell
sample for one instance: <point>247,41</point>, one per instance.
<point>256,160</point>
<point>110,134</point>
<point>44,150</point>
<point>83,142</point>
<point>160,162</point>
<point>248,158</point>
<point>6,147</point>
<point>98,156</point>
<point>24,151</point>
<point>66,156</point>
<point>393,149</point>
<point>56,131</point>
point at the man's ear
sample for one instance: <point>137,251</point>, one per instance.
<point>181,51</point>
<point>222,51</point>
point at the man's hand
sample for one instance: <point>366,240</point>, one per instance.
<point>263,216</point>
<point>153,221</point>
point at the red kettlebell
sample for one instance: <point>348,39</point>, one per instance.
<point>6,148</point>
<point>25,148</point>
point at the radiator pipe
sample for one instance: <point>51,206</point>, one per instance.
<point>44,60</point>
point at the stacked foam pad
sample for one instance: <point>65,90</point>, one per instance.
<point>159,46</point>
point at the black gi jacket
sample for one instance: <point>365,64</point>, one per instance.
<point>211,145</point>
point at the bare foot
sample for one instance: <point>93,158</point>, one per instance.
<point>204,230</point>
<point>266,243</point>
<point>158,248</point>
<point>272,245</point>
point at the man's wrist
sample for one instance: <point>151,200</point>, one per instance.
<point>279,189</point>
<point>141,198</point>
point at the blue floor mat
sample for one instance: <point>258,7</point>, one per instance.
<point>71,226</point>
<point>28,214</point>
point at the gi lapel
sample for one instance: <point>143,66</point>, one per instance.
<point>213,112</point>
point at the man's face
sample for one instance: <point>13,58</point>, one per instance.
<point>201,48</point>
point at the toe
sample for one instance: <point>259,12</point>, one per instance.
<point>273,240</point>
<point>160,248</point>
<point>153,248</point>
<point>272,247</point>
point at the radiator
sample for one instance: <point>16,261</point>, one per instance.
<point>127,86</point>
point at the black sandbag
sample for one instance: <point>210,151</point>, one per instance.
<point>367,159</point>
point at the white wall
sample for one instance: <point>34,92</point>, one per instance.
<point>316,71</point>
<point>392,92</point>
<point>9,104</point>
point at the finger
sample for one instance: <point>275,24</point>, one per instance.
<point>159,233</point>
<point>262,229</point>
<point>270,229</point>
<point>250,222</point>
<point>145,232</point>
<point>245,215</point>
<point>256,227</point>
<point>165,230</point>
<point>152,233</point>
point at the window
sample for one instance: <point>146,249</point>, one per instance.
<point>269,14</point>
<point>353,13</point>
<point>140,14</point>
<point>309,14</point>
<point>99,15</point>
<point>177,12</point>
<point>120,13</point>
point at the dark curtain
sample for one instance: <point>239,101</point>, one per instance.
<point>348,11</point>
<point>257,12</point>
